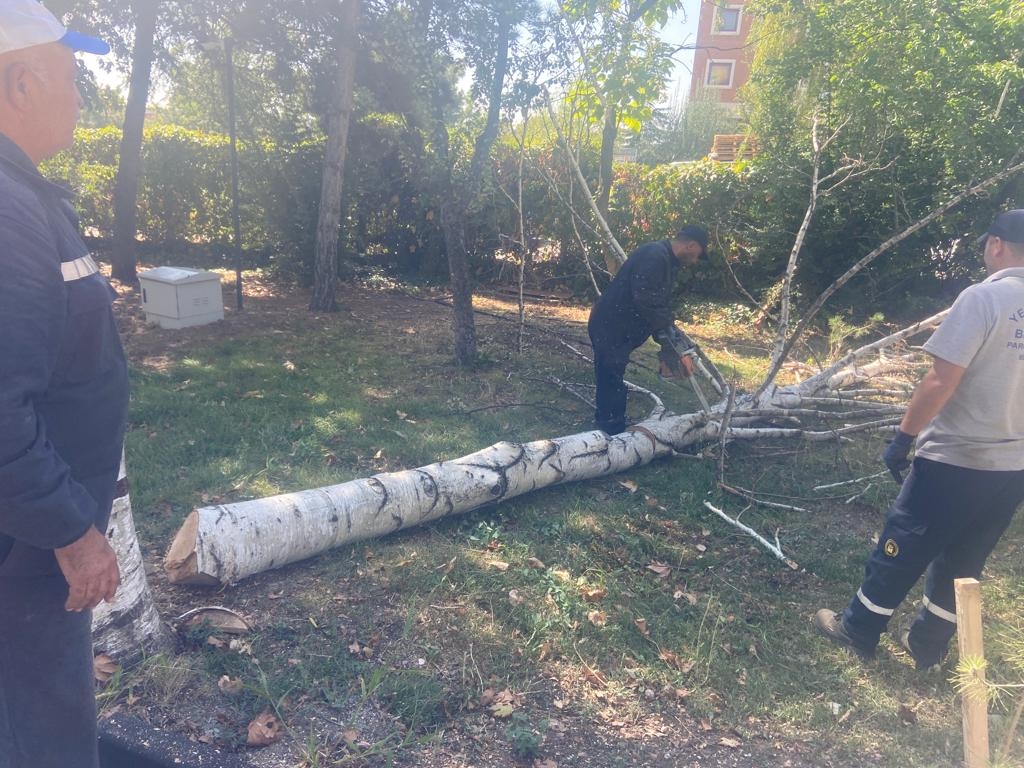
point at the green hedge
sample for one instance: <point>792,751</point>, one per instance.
<point>185,188</point>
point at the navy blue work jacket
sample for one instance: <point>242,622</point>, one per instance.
<point>63,376</point>
<point>638,301</point>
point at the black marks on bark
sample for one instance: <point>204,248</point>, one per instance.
<point>379,487</point>
<point>551,449</point>
<point>428,485</point>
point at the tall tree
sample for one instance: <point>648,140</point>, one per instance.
<point>483,33</point>
<point>129,167</point>
<point>623,67</point>
<point>937,90</point>
<point>329,224</point>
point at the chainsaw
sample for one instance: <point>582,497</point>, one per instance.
<point>678,359</point>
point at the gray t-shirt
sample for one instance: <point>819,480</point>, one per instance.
<point>982,425</point>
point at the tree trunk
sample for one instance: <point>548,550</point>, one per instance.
<point>325,268</point>
<point>226,543</point>
<point>609,132</point>
<point>130,626</point>
<point>456,210</point>
<point>453,224</point>
<point>129,166</point>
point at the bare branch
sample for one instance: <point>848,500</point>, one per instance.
<point>855,481</point>
<point>884,343</point>
<point>747,496</point>
<point>897,238</point>
<point>777,551</point>
<point>620,254</point>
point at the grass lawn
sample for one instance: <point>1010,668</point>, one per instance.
<point>613,622</point>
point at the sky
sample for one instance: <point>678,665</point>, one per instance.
<point>681,30</point>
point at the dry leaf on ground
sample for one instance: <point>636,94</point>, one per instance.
<point>230,686</point>
<point>104,667</point>
<point>661,570</point>
<point>594,677</point>
<point>264,730</point>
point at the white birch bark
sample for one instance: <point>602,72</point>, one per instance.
<point>130,626</point>
<point>225,543</point>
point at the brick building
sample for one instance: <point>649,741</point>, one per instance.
<point>721,62</point>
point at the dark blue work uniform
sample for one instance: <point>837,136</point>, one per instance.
<point>63,407</point>
<point>635,305</point>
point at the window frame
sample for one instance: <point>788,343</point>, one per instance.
<point>712,63</point>
<point>716,28</point>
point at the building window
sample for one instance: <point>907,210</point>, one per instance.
<point>719,74</point>
<point>727,21</point>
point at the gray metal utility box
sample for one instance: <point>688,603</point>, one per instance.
<point>177,297</point>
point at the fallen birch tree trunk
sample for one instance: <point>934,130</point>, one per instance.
<point>130,626</point>
<point>225,543</point>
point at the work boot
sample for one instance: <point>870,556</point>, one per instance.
<point>921,661</point>
<point>830,624</point>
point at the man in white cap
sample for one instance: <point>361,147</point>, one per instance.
<point>966,418</point>
<point>63,406</point>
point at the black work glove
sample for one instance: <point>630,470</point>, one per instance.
<point>895,454</point>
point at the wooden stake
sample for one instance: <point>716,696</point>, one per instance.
<point>975,701</point>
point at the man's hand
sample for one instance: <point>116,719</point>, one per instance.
<point>675,355</point>
<point>90,567</point>
<point>895,455</point>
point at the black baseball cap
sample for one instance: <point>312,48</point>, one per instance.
<point>698,235</point>
<point>1008,226</point>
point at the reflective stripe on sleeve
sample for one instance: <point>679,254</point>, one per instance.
<point>79,268</point>
<point>872,607</point>
<point>938,610</point>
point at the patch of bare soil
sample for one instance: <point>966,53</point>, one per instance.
<point>585,722</point>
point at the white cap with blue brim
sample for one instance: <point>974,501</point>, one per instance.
<point>26,23</point>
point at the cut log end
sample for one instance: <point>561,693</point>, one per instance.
<point>181,562</point>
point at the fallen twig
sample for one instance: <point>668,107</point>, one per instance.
<point>851,482</point>
<point>747,496</point>
<point>777,551</point>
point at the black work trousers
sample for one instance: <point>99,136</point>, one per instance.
<point>610,400</point>
<point>47,695</point>
<point>946,520</point>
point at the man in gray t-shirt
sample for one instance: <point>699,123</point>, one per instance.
<point>967,477</point>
